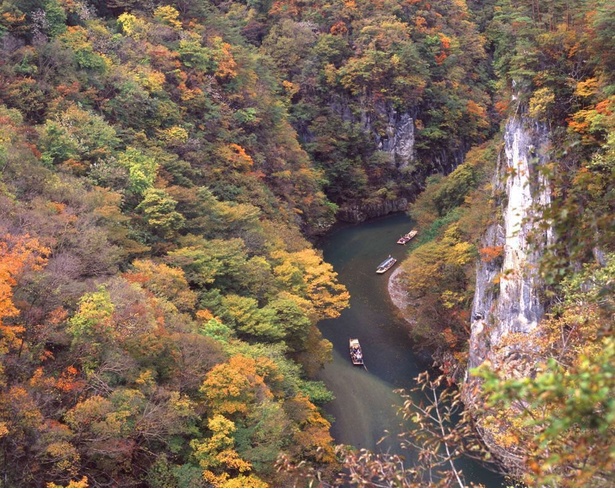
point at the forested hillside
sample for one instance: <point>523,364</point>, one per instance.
<point>164,168</point>
<point>159,300</point>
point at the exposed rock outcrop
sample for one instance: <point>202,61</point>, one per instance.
<point>359,212</point>
<point>398,139</point>
<point>507,300</point>
<point>392,131</point>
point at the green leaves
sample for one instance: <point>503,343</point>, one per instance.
<point>76,134</point>
<point>141,169</point>
<point>159,210</point>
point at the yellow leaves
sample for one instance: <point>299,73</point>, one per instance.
<point>174,135</point>
<point>218,457</point>
<point>243,480</point>
<point>132,25</point>
<point>462,254</point>
<point>306,274</point>
<point>453,250</point>
<point>587,88</point>
<point>152,80</point>
<point>331,74</point>
<point>290,88</point>
<point>76,37</point>
<point>232,387</point>
<point>541,102</point>
<point>182,405</point>
<point>83,482</point>
<point>64,456</point>
<point>231,460</point>
<point>168,15</point>
<point>146,378</point>
<point>451,299</point>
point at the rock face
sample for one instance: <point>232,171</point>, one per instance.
<point>392,131</point>
<point>399,139</point>
<point>360,212</point>
<point>507,297</point>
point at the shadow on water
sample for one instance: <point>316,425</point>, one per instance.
<point>365,406</point>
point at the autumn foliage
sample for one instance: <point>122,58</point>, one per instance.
<point>164,170</point>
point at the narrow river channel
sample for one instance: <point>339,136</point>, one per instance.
<point>365,406</point>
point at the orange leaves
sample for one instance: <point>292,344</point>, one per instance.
<point>445,48</point>
<point>17,253</point>
<point>161,279</point>
<point>420,23</point>
<point>606,107</point>
<point>13,20</point>
<point>227,66</point>
<point>475,109</point>
<point>501,106</point>
<point>284,8</point>
<point>478,114</point>
<point>491,253</point>
<point>313,437</point>
<point>440,57</point>
<point>445,41</point>
<point>590,122</point>
<point>69,380</point>
<point>163,59</point>
<point>237,157</point>
<point>339,29</point>
<point>450,337</point>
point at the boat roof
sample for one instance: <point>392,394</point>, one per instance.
<point>354,341</point>
<point>389,259</point>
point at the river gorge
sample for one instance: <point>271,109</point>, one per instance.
<point>365,404</point>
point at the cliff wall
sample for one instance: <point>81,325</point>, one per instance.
<point>508,295</point>
<point>508,290</point>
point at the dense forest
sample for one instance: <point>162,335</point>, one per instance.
<point>165,169</point>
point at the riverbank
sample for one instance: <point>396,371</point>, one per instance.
<point>443,358</point>
<point>399,296</point>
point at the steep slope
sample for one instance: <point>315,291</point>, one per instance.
<point>509,290</point>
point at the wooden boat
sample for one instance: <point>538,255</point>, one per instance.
<point>407,237</point>
<point>356,353</point>
<point>386,264</point>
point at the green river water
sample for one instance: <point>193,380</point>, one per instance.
<point>365,407</point>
